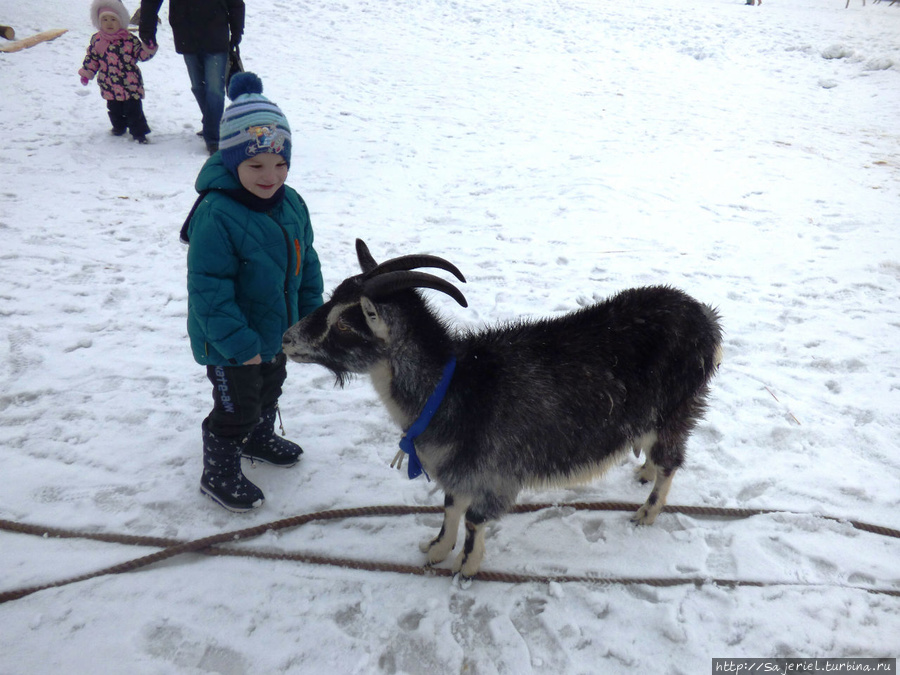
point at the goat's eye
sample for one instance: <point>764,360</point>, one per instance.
<point>342,324</point>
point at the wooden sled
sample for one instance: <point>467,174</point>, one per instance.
<point>32,40</point>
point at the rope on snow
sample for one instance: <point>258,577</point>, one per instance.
<point>213,546</point>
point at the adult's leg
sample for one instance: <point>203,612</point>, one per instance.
<point>215,68</point>
<point>197,74</point>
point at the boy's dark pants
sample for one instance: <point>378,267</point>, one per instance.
<point>128,115</point>
<point>241,393</point>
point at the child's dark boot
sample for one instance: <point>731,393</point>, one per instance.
<point>264,445</point>
<point>222,478</point>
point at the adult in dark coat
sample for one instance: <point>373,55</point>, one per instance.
<point>204,31</point>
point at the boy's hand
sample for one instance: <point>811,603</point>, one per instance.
<point>256,360</point>
<point>84,80</point>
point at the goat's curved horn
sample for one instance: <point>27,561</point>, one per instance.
<point>411,262</point>
<point>392,281</point>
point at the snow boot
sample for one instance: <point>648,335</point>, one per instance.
<point>264,445</point>
<point>222,479</point>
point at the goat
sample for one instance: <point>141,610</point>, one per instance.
<point>531,403</point>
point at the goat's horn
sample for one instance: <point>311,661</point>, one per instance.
<point>411,262</point>
<point>391,282</point>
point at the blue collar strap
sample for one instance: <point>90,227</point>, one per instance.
<point>414,467</point>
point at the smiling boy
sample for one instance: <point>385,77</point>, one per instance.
<point>252,273</point>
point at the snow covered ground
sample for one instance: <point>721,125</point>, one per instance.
<point>556,151</point>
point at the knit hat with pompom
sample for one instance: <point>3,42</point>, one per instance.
<point>252,124</point>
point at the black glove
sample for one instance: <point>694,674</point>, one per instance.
<point>236,39</point>
<point>148,37</point>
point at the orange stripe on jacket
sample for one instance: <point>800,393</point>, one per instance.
<point>297,248</point>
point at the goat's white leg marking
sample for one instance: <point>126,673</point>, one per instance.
<point>657,499</point>
<point>469,559</point>
<point>647,473</point>
<point>439,548</point>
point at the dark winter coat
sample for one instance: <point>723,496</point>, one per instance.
<point>251,274</point>
<point>199,26</point>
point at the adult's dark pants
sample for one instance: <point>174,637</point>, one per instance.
<point>241,393</point>
<point>128,115</point>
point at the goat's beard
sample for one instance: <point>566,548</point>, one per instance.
<point>344,366</point>
<point>342,377</point>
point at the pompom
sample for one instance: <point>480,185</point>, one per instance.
<point>244,83</point>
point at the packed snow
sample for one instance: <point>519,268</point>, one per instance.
<point>557,151</point>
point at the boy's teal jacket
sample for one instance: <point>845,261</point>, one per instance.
<point>251,275</point>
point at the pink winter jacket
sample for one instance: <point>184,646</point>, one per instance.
<point>116,68</point>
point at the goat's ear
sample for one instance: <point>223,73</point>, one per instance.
<point>373,318</point>
<point>366,261</point>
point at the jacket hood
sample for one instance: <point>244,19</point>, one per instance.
<point>112,5</point>
<point>214,176</point>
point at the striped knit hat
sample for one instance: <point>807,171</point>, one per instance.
<point>252,124</point>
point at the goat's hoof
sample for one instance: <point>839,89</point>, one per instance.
<point>466,566</point>
<point>644,516</point>
<point>461,581</point>
<point>434,559</point>
<point>435,551</point>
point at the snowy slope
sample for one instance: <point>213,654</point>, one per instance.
<point>556,151</point>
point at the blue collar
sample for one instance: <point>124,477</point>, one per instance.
<point>414,467</point>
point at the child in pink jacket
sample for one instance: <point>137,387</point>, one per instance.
<point>113,57</point>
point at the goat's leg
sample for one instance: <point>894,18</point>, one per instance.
<point>483,508</point>
<point>439,548</point>
<point>663,460</point>
<point>469,559</point>
<point>646,473</point>
<point>657,499</point>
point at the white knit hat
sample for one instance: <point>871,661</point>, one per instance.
<point>114,6</point>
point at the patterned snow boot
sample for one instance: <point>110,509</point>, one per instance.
<point>222,479</point>
<point>264,445</point>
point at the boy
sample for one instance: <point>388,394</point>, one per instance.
<point>252,273</point>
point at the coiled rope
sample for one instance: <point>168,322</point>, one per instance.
<point>213,546</point>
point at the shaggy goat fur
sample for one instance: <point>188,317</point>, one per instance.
<point>531,403</point>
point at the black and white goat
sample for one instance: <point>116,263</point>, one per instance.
<point>529,404</point>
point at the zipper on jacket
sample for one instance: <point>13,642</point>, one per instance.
<point>287,276</point>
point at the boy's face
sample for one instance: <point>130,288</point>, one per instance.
<point>263,174</point>
<point>109,23</point>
